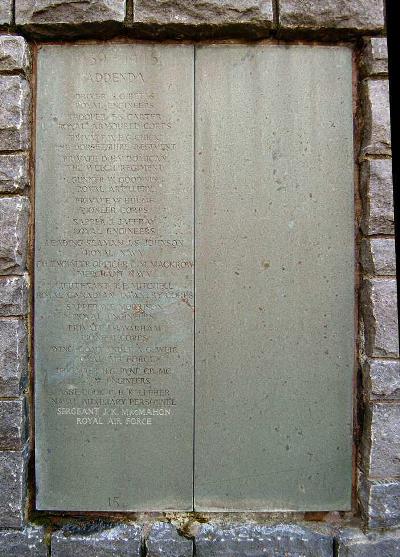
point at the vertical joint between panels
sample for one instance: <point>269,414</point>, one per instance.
<point>194,270</point>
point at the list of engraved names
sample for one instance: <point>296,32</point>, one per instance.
<point>114,262</point>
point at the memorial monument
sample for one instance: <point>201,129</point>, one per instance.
<point>194,277</point>
<point>198,316</point>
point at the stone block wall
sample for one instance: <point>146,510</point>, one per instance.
<point>374,527</point>
<point>379,465</point>
<point>15,136</point>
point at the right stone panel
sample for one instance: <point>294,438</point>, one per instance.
<point>274,278</point>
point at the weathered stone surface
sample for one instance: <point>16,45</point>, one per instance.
<point>14,113</point>
<point>12,488</point>
<point>359,15</point>
<point>354,543</point>
<point>379,308</point>
<point>25,543</point>
<point>380,502</point>
<point>13,172</point>
<point>164,540</point>
<point>252,540</point>
<point>13,296</point>
<point>14,53</point>
<point>56,15</point>
<point>5,12</point>
<point>14,215</point>
<point>210,12</point>
<point>381,441</point>
<point>285,277</point>
<point>376,129</point>
<point>123,540</point>
<point>13,357</point>
<point>378,256</point>
<point>374,59</point>
<point>12,424</point>
<point>382,379</point>
<point>377,197</point>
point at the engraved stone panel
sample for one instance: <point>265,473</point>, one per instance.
<point>274,278</point>
<point>117,171</point>
<point>114,277</point>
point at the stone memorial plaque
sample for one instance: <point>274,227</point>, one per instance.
<point>114,277</point>
<point>146,154</point>
<point>274,278</point>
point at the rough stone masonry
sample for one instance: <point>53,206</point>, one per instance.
<point>374,526</point>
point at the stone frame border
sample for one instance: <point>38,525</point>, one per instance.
<point>356,430</point>
<point>374,527</point>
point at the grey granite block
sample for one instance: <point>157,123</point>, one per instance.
<point>14,53</point>
<point>376,112</point>
<point>15,98</point>
<point>379,309</point>
<point>379,502</point>
<point>14,215</point>
<point>163,540</point>
<point>374,58</point>
<point>378,256</point>
<point>29,542</point>
<point>13,296</point>
<point>381,440</point>
<point>13,476</point>
<point>353,543</point>
<point>382,379</point>
<point>14,172</point>
<point>69,16</point>
<point>253,540</point>
<point>13,357</point>
<point>13,429</point>
<point>5,12</point>
<point>209,12</point>
<point>123,540</point>
<point>377,197</point>
<point>359,15</point>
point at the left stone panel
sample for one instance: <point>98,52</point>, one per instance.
<point>114,277</point>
